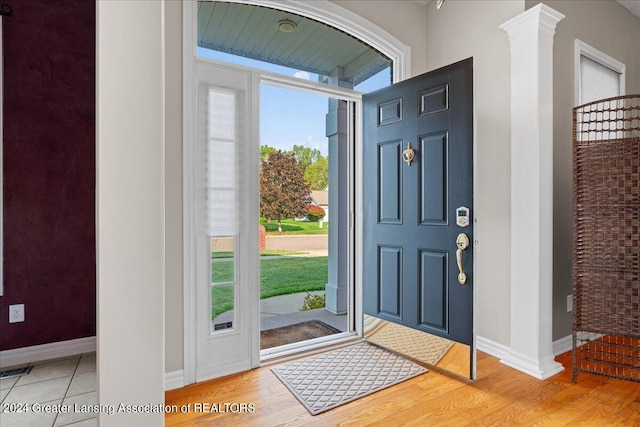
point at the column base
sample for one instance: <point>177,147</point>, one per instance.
<point>336,300</point>
<point>540,368</point>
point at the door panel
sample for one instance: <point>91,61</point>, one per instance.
<point>410,269</point>
<point>433,100</point>
<point>390,183</point>
<point>433,162</point>
<point>390,112</point>
<point>433,310</point>
<point>390,281</point>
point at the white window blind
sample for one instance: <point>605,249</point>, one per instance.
<point>597,81</point>
<point>221,179</point>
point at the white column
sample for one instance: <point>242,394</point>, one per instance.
<point>531,36</point>
<point>130,210</point>
<point>336,294</point>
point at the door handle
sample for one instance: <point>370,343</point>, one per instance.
<point>462,242</point>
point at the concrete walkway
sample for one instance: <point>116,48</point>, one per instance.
<point>284,310</point>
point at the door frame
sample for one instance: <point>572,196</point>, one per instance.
<point>332,15</point>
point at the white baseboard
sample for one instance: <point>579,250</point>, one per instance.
<point>211,372</point>
<point>492,348</point>
<point>563,345</point>
<point>541,369</point>
<point>566,344</point>
<point>500,351</point>
<point>38,353</point>
<point>173,380</point>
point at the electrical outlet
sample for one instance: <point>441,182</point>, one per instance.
<point>16,313</point>
<point>569,303</point>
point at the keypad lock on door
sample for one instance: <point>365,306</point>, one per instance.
<point>462,216</point>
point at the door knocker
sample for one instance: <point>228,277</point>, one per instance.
<point>407,155</point>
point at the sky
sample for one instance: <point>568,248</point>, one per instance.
<point>289,117</point>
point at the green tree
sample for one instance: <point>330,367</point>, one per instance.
<point>265,150</point>
<point>283,191</point>
<point>317,174</point>
<point>305,155</point>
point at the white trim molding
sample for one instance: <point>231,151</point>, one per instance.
<point>491,347</point>
<point>173,380</point>
<point>583,49</point>
<point>38,353</point>
<point>501,351</point>
<point>563,345</point>
<point>531,39</point>
<point>536,366</point>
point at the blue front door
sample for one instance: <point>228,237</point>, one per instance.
<point>418,172</point>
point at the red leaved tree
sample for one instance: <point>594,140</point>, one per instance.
<point>283,191</point>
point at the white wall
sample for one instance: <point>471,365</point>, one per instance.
<point>612,29</point>
<point>462,29</point>
<point>130,208</point>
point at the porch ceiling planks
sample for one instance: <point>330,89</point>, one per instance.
<point>252,32</point>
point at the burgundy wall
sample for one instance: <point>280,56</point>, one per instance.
<point>49,171</point>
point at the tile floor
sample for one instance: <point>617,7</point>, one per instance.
<point>60,383</point>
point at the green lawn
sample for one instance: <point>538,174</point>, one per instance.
<point>221,300</point>
<point>290,226</point>
<point>277,277</point>
<point>268,252</point>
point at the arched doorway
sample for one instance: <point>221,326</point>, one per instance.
<point>241,331</point>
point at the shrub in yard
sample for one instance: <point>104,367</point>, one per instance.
<point>312,302</point>
<point>316,213</point>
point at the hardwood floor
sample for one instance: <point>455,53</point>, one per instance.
<point>500,396</point>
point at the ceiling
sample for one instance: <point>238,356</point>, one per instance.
<point>252,31</point>
<point>632,5</point>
